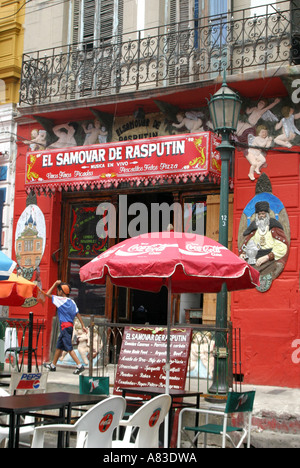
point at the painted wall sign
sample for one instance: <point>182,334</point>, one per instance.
<point>143,357</point>
<point>169,158</point>
<point>138,127</point>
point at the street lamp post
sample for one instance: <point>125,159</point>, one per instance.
<point>224,108</point>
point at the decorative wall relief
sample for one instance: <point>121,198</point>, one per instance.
<point>263,125</point>
<point>191,121</point>
<point>95,133</point>
<point>264,235</point>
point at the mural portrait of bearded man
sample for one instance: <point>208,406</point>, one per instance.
<point>265,244</point>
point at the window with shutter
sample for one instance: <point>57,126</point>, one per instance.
<point>181,39</point>
<point>88,14</point>
<point>97,20</point>
<point>190,47</point>
<point>97,27</point>
<point>295,49</point>
<point>76,21</point>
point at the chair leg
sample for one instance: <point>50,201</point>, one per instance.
<point>193,441</point>
<point>205,440</point>
<point>19,366</point>
<point>36,360</point>
<point>249,430</point>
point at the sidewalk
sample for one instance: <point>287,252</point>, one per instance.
<point>276,416</point>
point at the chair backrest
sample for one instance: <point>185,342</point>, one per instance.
<point>100,421</point>
<point>240,402</point>
<point>11,339</point>
<point>149,418</point>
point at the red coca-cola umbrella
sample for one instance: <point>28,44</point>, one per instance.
<point>180,261</point>
<point>192,262</point>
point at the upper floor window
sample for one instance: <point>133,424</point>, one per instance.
<point>96,21</point>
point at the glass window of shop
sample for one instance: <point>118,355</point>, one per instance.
<point>82,244</point>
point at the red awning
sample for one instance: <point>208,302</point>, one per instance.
<point>157,160</point>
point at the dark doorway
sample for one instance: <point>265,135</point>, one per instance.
<point>149,307</point>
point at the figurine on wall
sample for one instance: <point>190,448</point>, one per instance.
<point>95,133</point>
<point>38,140</point>
<point>264,236</point>
<point>192,121</point>
<point>256,155</point>
<point>289,128</point>
<point>246,130</point>
<point>65,134</point>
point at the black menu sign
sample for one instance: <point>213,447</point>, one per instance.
<point>143,357</point>
<point>84,241</point>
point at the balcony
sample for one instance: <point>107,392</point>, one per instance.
<point>194,51</point>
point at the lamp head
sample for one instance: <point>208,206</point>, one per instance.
<point>224,107</point>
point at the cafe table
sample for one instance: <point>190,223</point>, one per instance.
<point>16,406</point>
<point>175,394</point>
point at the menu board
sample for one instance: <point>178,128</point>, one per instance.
<point>143,357</point>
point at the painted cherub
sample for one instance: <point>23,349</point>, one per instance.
<point>289,128</point>
<point>190,120</point>
<point>38,141</point>
<point>257,156</point>
<point>65,134</point>
<point>94,133</point>
<point>261,111</point>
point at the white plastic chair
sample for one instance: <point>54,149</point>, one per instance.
<point>147,419</point>
<point>23,431</point>
<point>94,429</point>
<point>237,402</point>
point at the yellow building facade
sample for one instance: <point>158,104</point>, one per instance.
<point>12,15</point>
<point>11,49</point>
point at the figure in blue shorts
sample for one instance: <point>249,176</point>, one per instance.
<point>67,310</point>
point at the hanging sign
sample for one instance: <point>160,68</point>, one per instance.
<point>168,158</point>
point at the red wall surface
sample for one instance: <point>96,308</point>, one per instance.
<point>270,321</point>
<point>51,208</point>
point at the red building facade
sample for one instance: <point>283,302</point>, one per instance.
<point>268,319</point>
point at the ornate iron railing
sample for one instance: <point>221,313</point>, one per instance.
<point>204,355</point>
<point>190,51</point>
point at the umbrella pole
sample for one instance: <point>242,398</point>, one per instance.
<point>167,388</point>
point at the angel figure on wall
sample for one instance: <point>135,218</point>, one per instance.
<point>38,141</point>
<point>192,121</point>
<point>246,130</point>
<point>256,155</point>
<point>65,134</point>
<point>289,128</point>
<point>95,133</point>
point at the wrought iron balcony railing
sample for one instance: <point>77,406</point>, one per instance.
<point>176,54</point>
